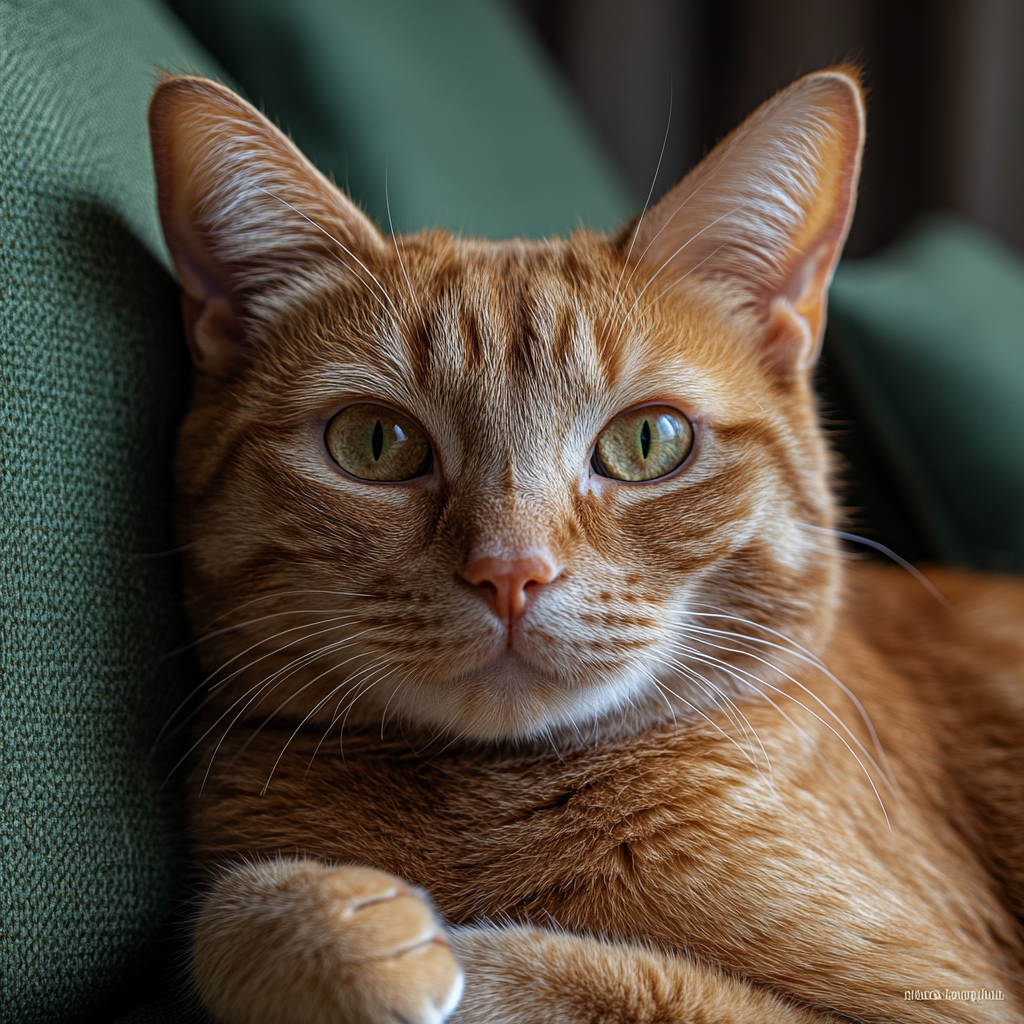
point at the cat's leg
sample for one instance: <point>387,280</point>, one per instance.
<point>295,940</point>
<point>522,975</point>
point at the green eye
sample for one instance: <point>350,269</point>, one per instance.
<point>374,443</point>
<point>643,444</point>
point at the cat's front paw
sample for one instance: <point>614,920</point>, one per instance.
<point>295,940</point>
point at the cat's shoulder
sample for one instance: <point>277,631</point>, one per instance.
<point>946,601</point>
<point>951,626</point>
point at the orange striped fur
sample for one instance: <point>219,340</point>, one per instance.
<point>694,767</point>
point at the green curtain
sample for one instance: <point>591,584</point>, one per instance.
<point>929,337</point>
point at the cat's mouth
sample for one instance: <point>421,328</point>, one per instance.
<point>509,695</point>
<point>509,671</point>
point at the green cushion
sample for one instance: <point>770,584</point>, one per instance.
<point>94,382</point>
<point>450,102</point>
<point>930,338</point>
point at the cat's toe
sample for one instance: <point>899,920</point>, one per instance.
<point>299,941</point>
<point>402,964</point>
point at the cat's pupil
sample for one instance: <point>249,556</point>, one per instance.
<point>645,438</point>
<point>377,441</point>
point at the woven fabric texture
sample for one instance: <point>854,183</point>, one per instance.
<point>94,381</point>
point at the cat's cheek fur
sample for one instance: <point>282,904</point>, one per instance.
<point>294,941</point>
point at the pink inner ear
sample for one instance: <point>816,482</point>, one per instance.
<point>811,299</point>
<point>761,221</point>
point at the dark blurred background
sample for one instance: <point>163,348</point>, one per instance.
<point>945,83</point>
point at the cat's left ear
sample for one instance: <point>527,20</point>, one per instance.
<point>757,227</point>
<point>253,227</point>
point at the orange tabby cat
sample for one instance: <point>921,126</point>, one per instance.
<point>514,571</point>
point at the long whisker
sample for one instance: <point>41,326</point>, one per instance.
<point>344,248</point>
<point>273,595</point>
<point>741,675</point>
<point>203,638</point>
<point>662,692</point>
<point>295,733</point>
<point>888,552</point>
<point>262,689</point>
<point>668,220</point>
<point>315,656</point>
<point>791,647</point>
<point>682,277</point>
<point>276,678</point>
<point>763,696</point>
<point>716,694</point>
<point>337,710</point>
<point>731,710</point>
<point>810,693</point>
<point>662,686</point>
<point>384,713</point>
<point>342,620</point>
<point>650,193</point>
<point>394,238</point>
<point>656,274</point>
<point>167,732</point>
<point>453,737</point>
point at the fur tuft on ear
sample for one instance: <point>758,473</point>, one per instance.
<point>759,224</point>
<point>253,227</point>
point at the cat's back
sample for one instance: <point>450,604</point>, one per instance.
<point>961,642</point>
<point>961,651</point>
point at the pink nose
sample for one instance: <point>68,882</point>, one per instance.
<point>503,582</point>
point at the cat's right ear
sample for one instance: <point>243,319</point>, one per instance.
<point>253,227</point>
<point>757,227</point>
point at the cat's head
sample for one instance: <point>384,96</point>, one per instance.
<point>502,488</point>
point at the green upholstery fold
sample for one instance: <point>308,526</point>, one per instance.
<point>94,382</point>
<point>930,338</point>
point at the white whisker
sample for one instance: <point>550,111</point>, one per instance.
<point>749,679</point>
<point>656,274</point>
<point>650,193</point>
<point>394,309</point>
<point>888,552</point>
<point>394,239</point>
<point>260,688</point>
<point>716,693</point>
<point>298,728</point>
<point>746,753</point>
<point>166,731</point>
<point>801,653</point>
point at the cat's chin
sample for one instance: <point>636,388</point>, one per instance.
<point>508,698</point>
